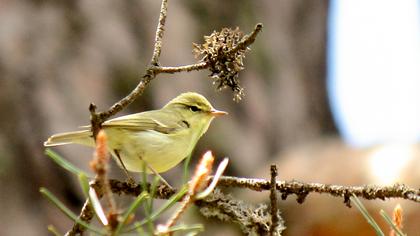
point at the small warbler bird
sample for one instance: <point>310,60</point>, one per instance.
<point>158,139</point>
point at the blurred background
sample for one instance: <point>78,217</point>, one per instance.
<point>331,96</point>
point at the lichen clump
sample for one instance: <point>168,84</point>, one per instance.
<point>224,62</point>
<point>253,220</point>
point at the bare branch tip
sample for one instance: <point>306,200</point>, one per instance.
<point>92,107</point>
<point>273,200</point>
<point>159,33</point>
<point>273,169</point>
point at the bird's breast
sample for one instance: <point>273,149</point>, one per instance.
<point>161,151</point>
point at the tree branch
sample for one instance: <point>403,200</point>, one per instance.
<point>177,69</point>
<point>273,200</point>
<point>247,39</point>
<point>226,208</point>
<point>86,215</point>
<point>127,100</point>
<point>159,33</point>
<point>145,80</point>
<point>300,189</point>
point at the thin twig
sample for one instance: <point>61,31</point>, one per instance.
<point>127,100</point>
<point>247,39</point>
<point>85,215</point>
<point>273,200</point>
<point>95,121</point>
<point>177,69</point>
<point>159,33</point>
<point>149,75</point>
<point>141,86</point>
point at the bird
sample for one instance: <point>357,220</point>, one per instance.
<point>155,140</point>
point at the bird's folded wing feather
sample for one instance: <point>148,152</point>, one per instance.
<point>164,123</point>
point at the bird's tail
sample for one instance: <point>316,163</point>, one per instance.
<point>83,137</point>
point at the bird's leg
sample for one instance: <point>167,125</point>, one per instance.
<point>130,179</point>
<point>156,173</point>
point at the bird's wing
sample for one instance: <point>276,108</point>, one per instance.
<point>163,123</point>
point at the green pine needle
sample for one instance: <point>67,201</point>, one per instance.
<point>67,211</point>
<point>366,214</point>
<point>168,204</point>
<point>84,184</point>
<point>130,210</point>
<point>186,168</point>
<point>53,230</point>
<point>63,163</point>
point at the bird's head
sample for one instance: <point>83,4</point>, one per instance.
<point>195,109</point>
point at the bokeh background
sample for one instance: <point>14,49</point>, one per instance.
<point>319,102</point>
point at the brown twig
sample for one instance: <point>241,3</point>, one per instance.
<point>127,100</point>
<point>145,80</point>
<point>95,121</point>
<point>86,215</point>
<point>159,33</point>
<point>151,72</point>
<point>177,69</point>
<point>87,212</point>
<point>247,39</point>
<point>273,200</point>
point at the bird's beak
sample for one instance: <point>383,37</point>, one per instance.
<point>217,113</point>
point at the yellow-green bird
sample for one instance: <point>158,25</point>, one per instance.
<point>159,138</point>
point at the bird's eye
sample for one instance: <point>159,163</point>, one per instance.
<point>194,108</point>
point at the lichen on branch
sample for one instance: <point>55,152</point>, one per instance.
<point>224,52</point>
